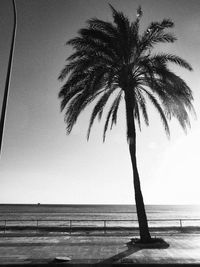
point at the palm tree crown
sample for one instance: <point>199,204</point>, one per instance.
<point>115,58</point>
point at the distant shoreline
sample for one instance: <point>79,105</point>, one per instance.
<point>72,205</point>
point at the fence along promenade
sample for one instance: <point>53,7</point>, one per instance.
<point>100,224</point>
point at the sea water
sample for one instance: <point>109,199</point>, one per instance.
<point>95,215</point>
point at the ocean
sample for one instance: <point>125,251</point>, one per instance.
<point>96,215</point>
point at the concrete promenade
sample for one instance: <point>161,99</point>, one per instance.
<point>20,250</point>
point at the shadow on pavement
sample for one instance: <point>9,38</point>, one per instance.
<point>133,247</point>
<point>121,255</point>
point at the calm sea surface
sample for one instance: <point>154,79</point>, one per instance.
<point>97,212</point>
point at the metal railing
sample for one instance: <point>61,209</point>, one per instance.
<point>71,225</point>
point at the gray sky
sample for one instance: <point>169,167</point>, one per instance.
<point>40,163</point>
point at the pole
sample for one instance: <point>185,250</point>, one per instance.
<point>7,84</point>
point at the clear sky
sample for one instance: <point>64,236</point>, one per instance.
<point>40,163</point>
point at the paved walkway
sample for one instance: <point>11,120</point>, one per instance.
<point>183,249</point>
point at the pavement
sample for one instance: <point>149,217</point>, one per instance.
<point>184,248</point>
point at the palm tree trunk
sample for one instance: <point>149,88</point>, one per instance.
<point>5,97</point>
<point>131,134</point>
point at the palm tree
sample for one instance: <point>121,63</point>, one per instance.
<point>114,58</point>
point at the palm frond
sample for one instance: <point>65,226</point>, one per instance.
<point>120,20</point>
<point>164,58</point>
<point>160,26</point>
<point>176,108</point>
<point>91,82</point>
<point>104,26</point>
<point>123,27</point>
<point>148,41</point>
<point>103,37</point>
<point>114,114</point>
<point>90,45</point>
<point>98,108</point>
<point>159,109</point>
<point>142,105</point>
<point>137,115</point>
<point>139,12</point>
<point>113,109</point>
<point>155,33</point>
<point>76,106</point>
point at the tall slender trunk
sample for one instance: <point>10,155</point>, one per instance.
<point>131,134</point>
<point>5,97</point>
